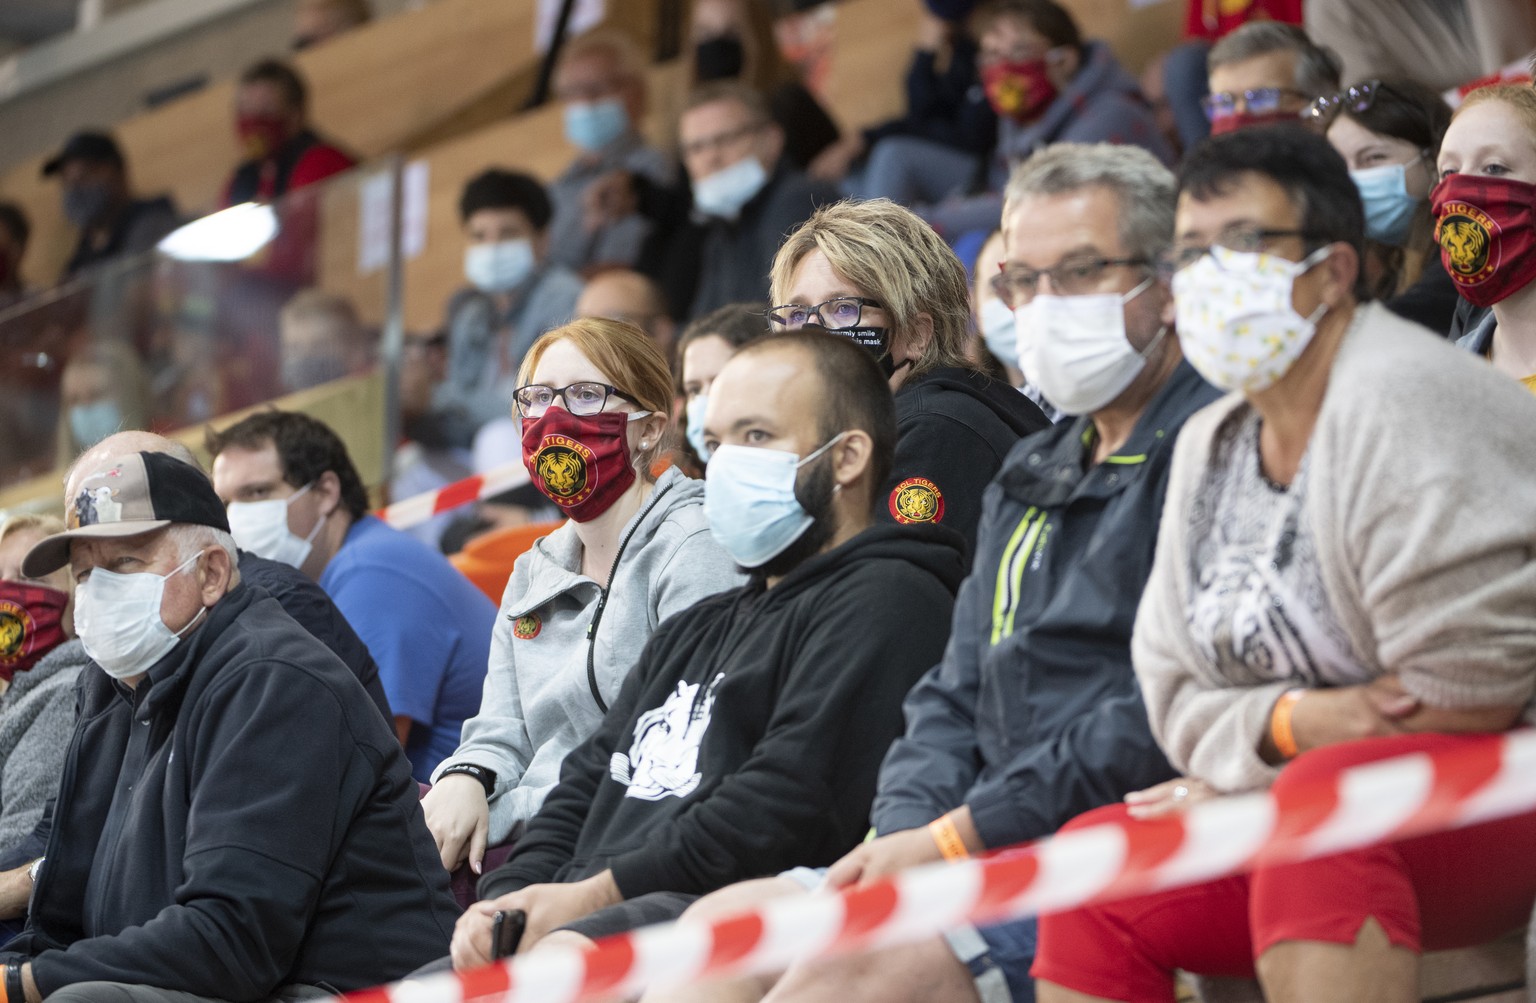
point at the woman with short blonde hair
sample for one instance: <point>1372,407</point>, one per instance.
<point>876,273</point>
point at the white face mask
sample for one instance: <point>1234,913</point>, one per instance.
<point>725,192</point>
<point>1074,348</point>
<point>262,528</point>
<point>118,619</point>
<point>1000,331</point>
<point>1235,318</point>
<point>499,267</point>
<point>695,426</point>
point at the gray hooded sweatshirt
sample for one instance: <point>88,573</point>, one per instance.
<point>539,700</point>
<point>37,716</point>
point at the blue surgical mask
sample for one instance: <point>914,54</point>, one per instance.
<point>695,431</point>
<point>90,423</point>
<point>723,193</point>
<point>500,267</point>
<point>85,204</point>
<point>1000,331</point>
<point>749,500</point>
<point>1389,208</point>
<point>592,125</point>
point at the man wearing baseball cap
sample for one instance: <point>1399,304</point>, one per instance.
<point>189,856</point>
<point>98,202</point>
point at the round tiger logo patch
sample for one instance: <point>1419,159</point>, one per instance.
<point>526,628</point>
<point>917,499</point>
<point>14,620</point>
<point>1466,234</point>
<point>564,465</point>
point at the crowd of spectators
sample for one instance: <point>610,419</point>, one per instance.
<point>1057,452</point>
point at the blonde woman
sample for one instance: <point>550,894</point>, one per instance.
<point>875,273</point>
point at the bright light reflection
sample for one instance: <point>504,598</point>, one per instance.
<point>232,234</point>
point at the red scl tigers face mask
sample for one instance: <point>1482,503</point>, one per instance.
<point>581,463</point>
<point>1019,90</point>
<point>31,625</point>
<point>1486,229</point>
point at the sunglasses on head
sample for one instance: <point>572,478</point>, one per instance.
<point>1357,98</point>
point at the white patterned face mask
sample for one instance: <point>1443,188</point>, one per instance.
<point>1235,319</point>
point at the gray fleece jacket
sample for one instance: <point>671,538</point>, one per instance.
<point>539,701</point>
<point>37,716</point>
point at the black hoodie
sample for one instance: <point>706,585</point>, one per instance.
<point>953,428</point>
<point>748,737</point>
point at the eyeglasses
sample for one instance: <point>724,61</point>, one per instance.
<point>834,314</point>
<point>580,398</point>
<point>1357,99</point>
<point>709,144</point>
<point>1238,237</point>
<point>1016,285</point>
<point>1259,101</point>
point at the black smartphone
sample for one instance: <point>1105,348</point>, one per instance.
<point>507,927</point>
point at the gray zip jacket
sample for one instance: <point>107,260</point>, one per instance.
<point>37,715</point>
<point>540,699</point>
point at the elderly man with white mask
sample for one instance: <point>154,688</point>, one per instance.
<point>189,860</point>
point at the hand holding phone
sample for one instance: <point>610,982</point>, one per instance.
<point>507,927</point>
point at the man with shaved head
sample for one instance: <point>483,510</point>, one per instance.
<point>189,859</point>
<point>622,294</point>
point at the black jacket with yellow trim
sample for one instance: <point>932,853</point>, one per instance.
<point>1034,715</point>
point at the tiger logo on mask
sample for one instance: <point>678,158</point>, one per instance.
<point>562,465</point>
<point>13,630</point>
<point>1464,234</point>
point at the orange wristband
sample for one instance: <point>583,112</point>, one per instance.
<point>944,833</point>
<point>1280,723</point>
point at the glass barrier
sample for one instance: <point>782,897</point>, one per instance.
<point>285,303</point>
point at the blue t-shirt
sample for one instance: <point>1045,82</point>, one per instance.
<point>425,624</point>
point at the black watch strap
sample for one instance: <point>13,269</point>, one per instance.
<point>486,777</point>
<point>15,989</point>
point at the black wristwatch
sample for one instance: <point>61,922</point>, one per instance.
<point>486,777</point>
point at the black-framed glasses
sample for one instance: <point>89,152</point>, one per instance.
<point>1239,237</point>
<point>580,398</point>
<point>719,142</point>
<point>835,314</point>
<point>1016,285</point>
<point>1259,101</point>
<point>1356,98</point>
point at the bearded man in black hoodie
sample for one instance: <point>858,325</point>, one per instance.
<point>875,273</point>
<point>748,736</point>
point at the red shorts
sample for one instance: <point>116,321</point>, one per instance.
<point>1447,890</point>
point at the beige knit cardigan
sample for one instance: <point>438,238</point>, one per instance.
<point>1422,497</point>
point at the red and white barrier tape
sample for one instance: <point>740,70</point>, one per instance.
<point>417,509</point>
<point>1392,799</point>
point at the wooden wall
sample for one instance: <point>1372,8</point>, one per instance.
<point>371,90</point>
